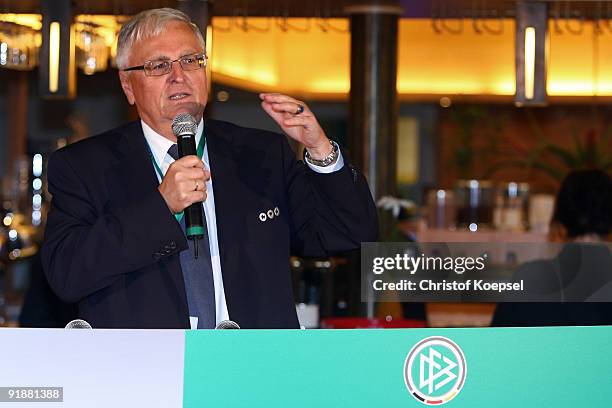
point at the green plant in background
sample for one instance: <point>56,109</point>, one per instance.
<point>466,119</point>
<point>472,119</point>
<point>591,150</point>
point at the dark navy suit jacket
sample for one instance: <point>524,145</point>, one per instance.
<point>112,244</point>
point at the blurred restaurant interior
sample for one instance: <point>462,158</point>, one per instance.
<point>464,115</point>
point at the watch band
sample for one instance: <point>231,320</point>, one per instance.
<point>326,161</point>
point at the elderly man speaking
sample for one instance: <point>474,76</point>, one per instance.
<point>115,240</point>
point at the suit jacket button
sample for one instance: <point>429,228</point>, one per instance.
<point>172,245</point>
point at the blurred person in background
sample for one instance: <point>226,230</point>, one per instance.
<point>582,220</point>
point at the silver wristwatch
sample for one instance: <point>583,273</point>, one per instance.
<point>326,161</point>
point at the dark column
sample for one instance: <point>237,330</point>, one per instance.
<point>61,12</point>
<point>199,11</point>
<point>373,106</point>
<point>17,118</point>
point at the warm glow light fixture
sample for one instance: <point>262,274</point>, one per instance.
<point>470,65</point>
<point>531,53</point>
<point>57,70</point>
<point>29,20</point>
<point>54,57</point>
<point>529,62</point>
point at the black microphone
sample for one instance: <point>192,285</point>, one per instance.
<point>184,127</point>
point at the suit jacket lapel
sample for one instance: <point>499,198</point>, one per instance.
<point>226,187</point>
<point>139,178</point>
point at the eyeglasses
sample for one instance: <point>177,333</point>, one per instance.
<point>159,67</point>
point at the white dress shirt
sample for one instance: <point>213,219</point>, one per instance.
<point>159,146</point>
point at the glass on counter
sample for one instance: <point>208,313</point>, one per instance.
<point>441,209</point>
<point>511,202</point>
<point>474,200</point>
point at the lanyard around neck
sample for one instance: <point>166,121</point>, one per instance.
<point>158,170</point>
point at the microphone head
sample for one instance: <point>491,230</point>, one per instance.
<point>184,124</point>
<point>78,324</point>
<point>227,324</point>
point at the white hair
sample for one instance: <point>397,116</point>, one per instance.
<point>150,23</point>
